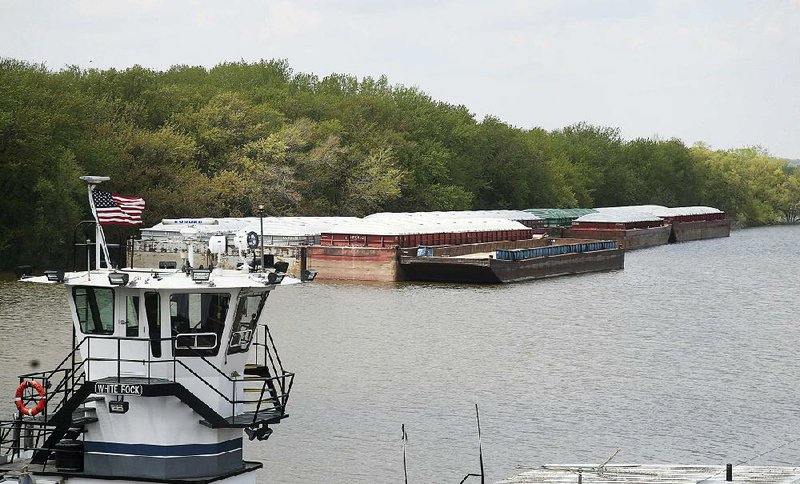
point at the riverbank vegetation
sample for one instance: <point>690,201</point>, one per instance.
<point>217,142</point>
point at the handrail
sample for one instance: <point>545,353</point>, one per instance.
<point>69,377</point>
<point>66,386</point>
<point>196,345</point>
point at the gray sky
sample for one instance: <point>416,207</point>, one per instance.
<point>726,72</point>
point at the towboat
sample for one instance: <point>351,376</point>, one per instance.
<point>170,371</point>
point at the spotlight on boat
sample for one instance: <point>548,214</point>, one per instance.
<point>201,275</point>
<point>118,278</point>
<point>275,277</point>
<point>55,276</point>
<point>309,275</point>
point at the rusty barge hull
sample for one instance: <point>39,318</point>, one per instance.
<point>700,230</point>
<point>629,238</point>
<point>493,271</point>
<point>355,263</point>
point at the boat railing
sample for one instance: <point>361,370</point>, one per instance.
<point>18,437</point>
<point>265,385</point>
<point>275,383</point>
<point>265,348</point>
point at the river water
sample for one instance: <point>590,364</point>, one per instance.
<point>689,355</point>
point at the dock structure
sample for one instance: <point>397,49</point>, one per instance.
<point>655,474</point>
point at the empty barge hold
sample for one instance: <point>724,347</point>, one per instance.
<point>633,230</point>
<point>576,257</point>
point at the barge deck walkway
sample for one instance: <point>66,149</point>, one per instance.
<point>654,474</point>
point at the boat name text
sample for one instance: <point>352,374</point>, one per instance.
<point>118,389</point>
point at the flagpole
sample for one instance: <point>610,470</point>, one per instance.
<point>100,236</point>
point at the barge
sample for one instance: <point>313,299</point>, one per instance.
<point>501,266</point>
<point>370,249</point>
<point>686,223</point>
<point>633,230</point>
<point>697,223</point>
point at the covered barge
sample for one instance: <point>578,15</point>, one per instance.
<point>686,223</point>
<point>632,229</point>
<point>697,223</point>
<point>370,249</point>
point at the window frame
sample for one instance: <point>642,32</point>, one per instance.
<point>237,320</point>
<point>137,317</point>
<point>153,327</point>
<point>82,322</point>
<point>199,348</point>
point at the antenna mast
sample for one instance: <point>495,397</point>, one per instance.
<point>100,236</point>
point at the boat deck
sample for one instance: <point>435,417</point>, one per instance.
<point>655,474</point>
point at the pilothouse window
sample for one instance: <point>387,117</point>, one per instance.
<point>94,307</point>
<point>132,316</point>
<point>245,320</point>
<point>198,320</point>
<point>152,310</point>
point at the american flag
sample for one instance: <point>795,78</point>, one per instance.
<point>113,209</point>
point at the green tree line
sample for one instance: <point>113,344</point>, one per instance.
<point>217,142</point>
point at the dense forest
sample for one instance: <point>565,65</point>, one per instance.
<point>217,142</point>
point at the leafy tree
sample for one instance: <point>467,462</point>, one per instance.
<point>217,142</point>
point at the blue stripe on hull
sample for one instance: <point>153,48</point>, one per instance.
<point>149,450</point>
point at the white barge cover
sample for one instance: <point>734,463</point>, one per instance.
<point>517,215</point>
<point>618,217</point>
<point>661,211</point>
<point>273,226</point>
<point>423,224</point>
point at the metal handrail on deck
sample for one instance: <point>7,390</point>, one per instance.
<point>277,379</point>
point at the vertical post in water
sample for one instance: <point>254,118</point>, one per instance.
<point>728,472</point>
<point>405,439</point>
<point>480,445</point>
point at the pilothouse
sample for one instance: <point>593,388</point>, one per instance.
<point>169,370</point>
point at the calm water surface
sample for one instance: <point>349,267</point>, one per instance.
<point>689,355</point>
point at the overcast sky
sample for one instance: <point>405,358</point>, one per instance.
<point>726,72</point>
